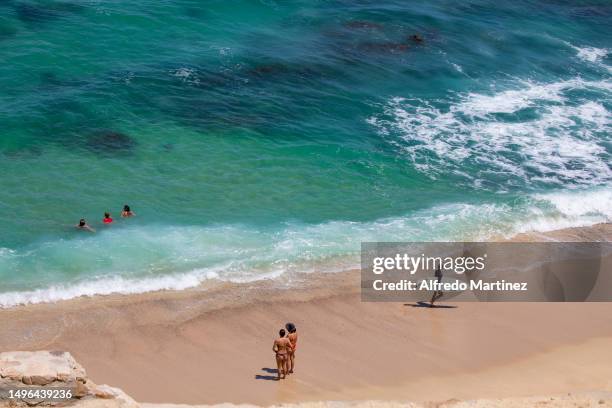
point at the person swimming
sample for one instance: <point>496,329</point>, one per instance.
<point>107,218</point>
<point>293,338</point>
<point>82,225</point>
<point>127,212</point>
<point>281,348</point>
<point>416,38</point>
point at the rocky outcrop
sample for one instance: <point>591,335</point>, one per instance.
<point>53,378</point>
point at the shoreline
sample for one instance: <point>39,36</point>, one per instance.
<point>212,346</point>
<point>308,280</point>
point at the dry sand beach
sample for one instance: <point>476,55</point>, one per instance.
<point>214,346</point>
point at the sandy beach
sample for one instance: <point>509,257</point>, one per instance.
<point>213,345</point>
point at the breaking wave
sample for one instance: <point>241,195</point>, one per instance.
<point>152,258</point>
<point>534,135</point>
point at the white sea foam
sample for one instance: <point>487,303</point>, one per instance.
<point>581,205</point>
<point>591,54</point>
<point>167,258</point>
<point>566,209</point>
<point>457,67</point>
<point>187,75</point>
<point>183,72</point>
<point>6,251</point>
<point>534,134</point>
<point>105,286</point>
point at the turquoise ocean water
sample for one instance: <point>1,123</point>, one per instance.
<point>255,138</point>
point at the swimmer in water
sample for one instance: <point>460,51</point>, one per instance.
<point>127,212</point>
<point>107,218</point>
<point>416,38</point>
<point>82,225</point>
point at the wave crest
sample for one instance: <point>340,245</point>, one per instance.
<point>535,135</point>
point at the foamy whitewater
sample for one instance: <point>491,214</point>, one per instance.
<point>551,138</point>
<point>255,141</point>
<point>240,255</point>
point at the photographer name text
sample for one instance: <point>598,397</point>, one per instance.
<point>429,285</point>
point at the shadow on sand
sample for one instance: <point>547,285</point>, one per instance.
<point>268,377</point>
<point>429,305</point>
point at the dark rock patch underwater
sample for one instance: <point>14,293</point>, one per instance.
<point>110,142</point>
<point>35,12</point>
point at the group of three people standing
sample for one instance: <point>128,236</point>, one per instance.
<point>284,347</point>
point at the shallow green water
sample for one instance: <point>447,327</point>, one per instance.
<point>255,138</point>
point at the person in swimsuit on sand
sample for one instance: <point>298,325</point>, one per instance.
<point>281,347</point>
<point>82,225</point>
<point>293,338</point>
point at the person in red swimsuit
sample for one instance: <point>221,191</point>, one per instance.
<point>107,218</point>
<point>293,338</point>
